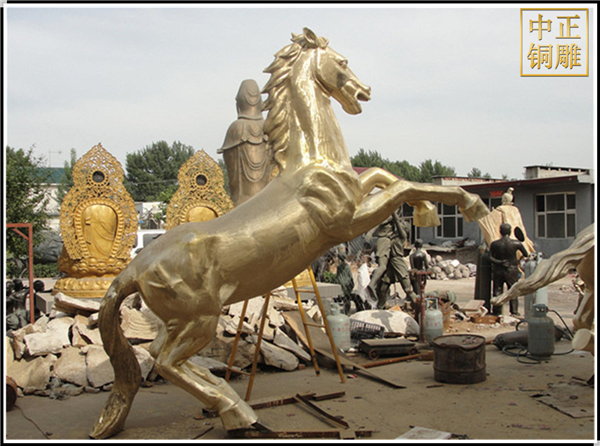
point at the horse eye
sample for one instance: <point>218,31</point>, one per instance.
<point>343,63</point>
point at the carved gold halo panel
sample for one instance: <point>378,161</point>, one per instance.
<point>98,223</point>
<point>201,192</point>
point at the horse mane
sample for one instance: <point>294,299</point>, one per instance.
<point>276,125</point>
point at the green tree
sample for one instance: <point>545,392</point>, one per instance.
<point>371,158</point>
<point>164,197</point>
<point>429,169</point>
<point>66,182</point>
<point>153,169</point>
<point>476,173</point>
<point>404,170</point>
<point>26,198</point>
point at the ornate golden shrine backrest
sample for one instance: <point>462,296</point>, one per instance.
<point>201,195</point>
<point>98,219</point>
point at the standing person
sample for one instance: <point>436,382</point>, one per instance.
<point>397,270</point>
<point>505,265</point>
<point>384,234</point>
<point>392,267</point>
<point>418,263</point>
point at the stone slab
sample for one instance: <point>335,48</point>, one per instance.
<point>325,290</point>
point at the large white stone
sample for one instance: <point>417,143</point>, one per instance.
<point>73,306</point>
<point>278,357</point>
<point>284,303</point>
<point>99,368</point>
<point>145,360</point>
<point>18,340</point>
<point>392,320</point>
<point>71,366</point>
<point>220,349</point>
<point>275,317</point>
<point>31,374</point>
<point>52,340</point>
<point>85,333</point>
<point>142,325</point>
<point>232,324</point>
<point>282,340</point>
<point>40,344</point>
<point>254,308</point>
<point>209,363</point>
<point>41,324</point>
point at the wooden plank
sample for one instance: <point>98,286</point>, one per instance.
<point>336,434</point>
<point>321,413</point>
<point>280,401</point>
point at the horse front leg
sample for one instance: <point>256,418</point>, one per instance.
<point>425,214</point>
<point>377,207</point>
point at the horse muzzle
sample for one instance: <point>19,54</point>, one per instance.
<point>353,93</point>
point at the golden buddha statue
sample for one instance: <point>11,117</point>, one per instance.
<point>98,224</point>
<point>201,195</point>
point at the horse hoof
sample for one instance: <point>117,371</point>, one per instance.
<point>243,432</point>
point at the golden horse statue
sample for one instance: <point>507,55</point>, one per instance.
<point>579,256</point>
<point>316,202</point>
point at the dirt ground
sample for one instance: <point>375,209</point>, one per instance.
<point>507,406</point>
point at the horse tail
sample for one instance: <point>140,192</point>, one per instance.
<point>122,357</point>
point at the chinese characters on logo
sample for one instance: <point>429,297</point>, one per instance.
<point>554,42</point>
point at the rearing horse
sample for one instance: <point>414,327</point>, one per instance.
<point>316,202</point>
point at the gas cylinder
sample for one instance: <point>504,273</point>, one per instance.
<point>540,333</point>
<point>434,320</point>
<point>539,296</point>
<point>339,324</point>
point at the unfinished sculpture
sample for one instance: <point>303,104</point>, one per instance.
<point>98,225</point>
<point>317,201</point>
<point>249,163</point>
<point>201,195</point>
<point>579,256</point>
<point>507,212</point>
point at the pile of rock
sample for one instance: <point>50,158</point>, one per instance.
<point>61,354</point>
<point>451,269</point>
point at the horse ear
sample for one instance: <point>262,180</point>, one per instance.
<point>310,36</point>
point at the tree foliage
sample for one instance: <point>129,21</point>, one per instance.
<point>476,173</point>
<point>423,174</point>
<point>26,198</point>
<point>430,169</point>
<point>154,169</point>
<point>66,182</point>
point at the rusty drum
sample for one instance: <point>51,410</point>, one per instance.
<point>459,359</point>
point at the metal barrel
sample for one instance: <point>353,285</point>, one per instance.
<point>459,359</point>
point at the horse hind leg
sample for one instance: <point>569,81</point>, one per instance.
<point>183,340</point>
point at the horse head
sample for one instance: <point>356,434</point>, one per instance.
<point>301,125</point>
<point>332,73</point>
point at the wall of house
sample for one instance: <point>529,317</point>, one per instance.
<point>525,199</point>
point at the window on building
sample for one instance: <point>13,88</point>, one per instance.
<point>451,222</point>
<point>492,202</point>
<point>555,215</point>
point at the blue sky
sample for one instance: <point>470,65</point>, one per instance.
<point>445,81</point>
